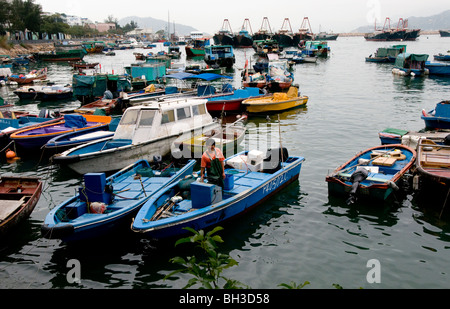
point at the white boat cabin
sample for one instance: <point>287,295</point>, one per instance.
<point>161,120</point>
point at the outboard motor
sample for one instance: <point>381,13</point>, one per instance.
<point>273,159</point>
<point>357,177</point>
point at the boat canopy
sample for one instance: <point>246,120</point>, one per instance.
<point>96,85</point>
<point>402,58</point>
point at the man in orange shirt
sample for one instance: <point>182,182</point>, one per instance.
<point>212,161</point>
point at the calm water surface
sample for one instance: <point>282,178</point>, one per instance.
<point>301,234</point>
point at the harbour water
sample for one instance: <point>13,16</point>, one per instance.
<point>301,234</point>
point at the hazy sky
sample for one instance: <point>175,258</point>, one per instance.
<point>328,15</point>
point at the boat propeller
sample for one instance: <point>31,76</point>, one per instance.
<point>357,177</point>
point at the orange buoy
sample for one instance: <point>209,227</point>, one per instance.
<point>10,154</point>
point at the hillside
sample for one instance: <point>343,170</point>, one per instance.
<point>157,24</point>
<point>434,22</point>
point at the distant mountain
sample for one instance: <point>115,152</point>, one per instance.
<point>157,24</point>
<point>435,22</point>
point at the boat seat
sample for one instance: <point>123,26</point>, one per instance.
<point>8,207</point>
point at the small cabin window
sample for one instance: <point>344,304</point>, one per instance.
<point>130,117</point>
<point>167,116</point>
<point>147,118</point>
<point>183,113</point>
<point>198,109</point>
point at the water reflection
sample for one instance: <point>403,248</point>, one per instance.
<point>406,83</point>
<point>382,214</point>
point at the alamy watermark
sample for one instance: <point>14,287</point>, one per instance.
<point>374,274</point>
<point>74,273</point>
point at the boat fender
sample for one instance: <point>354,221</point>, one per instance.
<point>424,113</point>
<point>31,90</point>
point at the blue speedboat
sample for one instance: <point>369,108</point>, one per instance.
<point>439,117</point>
<point>104,204</point>
<point>251,178</point>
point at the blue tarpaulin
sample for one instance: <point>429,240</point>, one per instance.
<point>75,121</point>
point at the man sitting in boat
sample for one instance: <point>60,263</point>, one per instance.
<point>213,162</point>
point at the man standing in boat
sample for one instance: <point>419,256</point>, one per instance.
<point>213,162</point>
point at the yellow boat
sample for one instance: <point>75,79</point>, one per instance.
<point>279,101</point>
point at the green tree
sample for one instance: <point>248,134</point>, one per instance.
<point>54,24</point>
<point>24,15</point>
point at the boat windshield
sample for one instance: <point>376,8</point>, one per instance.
<point>147,117</point>
<point>130,117</point>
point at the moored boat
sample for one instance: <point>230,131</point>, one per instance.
<point>83,65</point>
<point>407,64</point>
<point>439,117</point>
<point>277,102</point>
<point>264,32</point>
<point>284,36</point>
<point>201,205</point>
<point>244,38</point>
<point>373,173</point>
<point>18,198</point>
<point>221,55</point>
<point>104,205</point>
<point>444,33</point>
<point>29,78</point>
<point>107,106</point>
<point>442,57</point>
<point>232,102</point>
<point>69,140</point>
<point>433,169</point>
<point>386,54</point>
<point>225,35</point>
<point>36,137</point>
<point>145,131</point>
<point>44,92</point>
<point>437,68</point>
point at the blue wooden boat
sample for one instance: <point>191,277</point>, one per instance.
<point>103,205</point>
<point>391,136</point>
<point>407,64</point>
<point>36,137</point>
<point>373,173</point>
<point>436,68</point>
<point>442,57</point>
<point>72,139</point>
<point>439,117</point>
<point>202,205</point>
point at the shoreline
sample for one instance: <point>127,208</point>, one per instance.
<point>26,48</point>
<point>29,47</point>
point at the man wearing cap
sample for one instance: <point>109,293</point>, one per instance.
<point>212,161</point>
